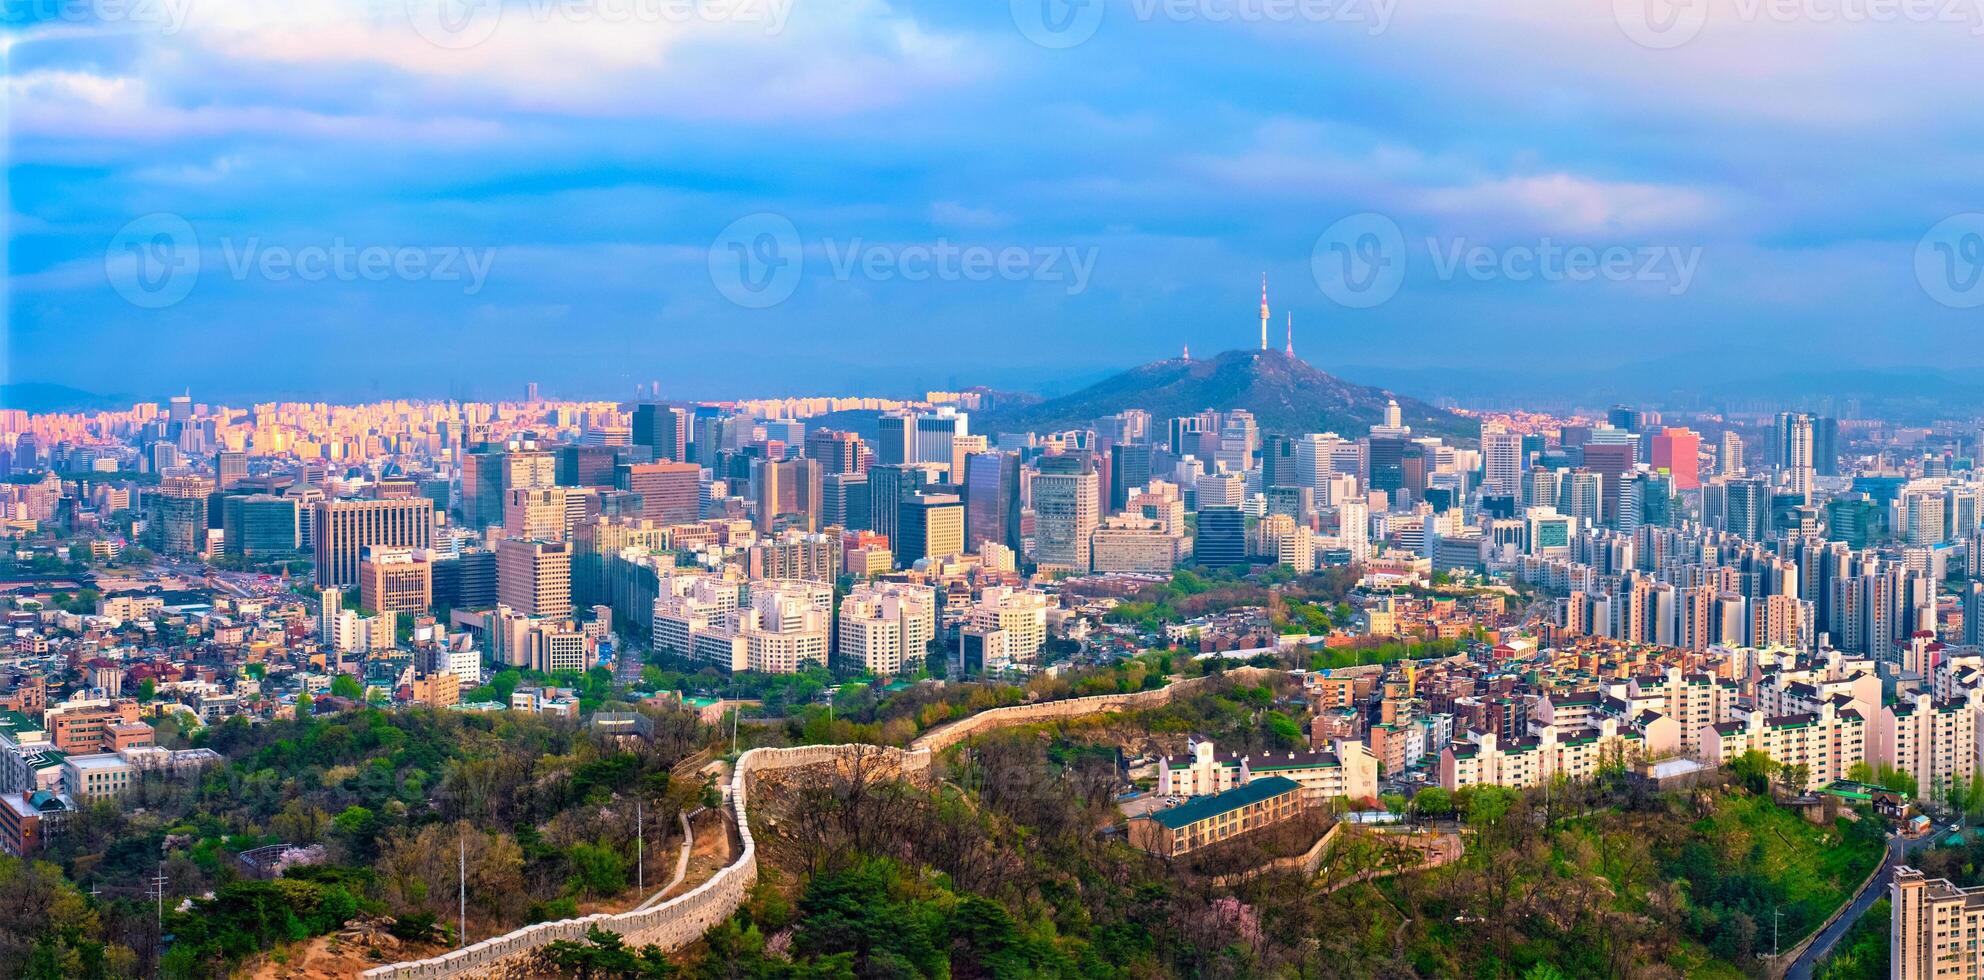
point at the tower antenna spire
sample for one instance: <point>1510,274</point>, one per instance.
<point>1264,311</point>
<point>1291,334</point>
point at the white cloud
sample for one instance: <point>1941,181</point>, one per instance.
<point>1570,204</point>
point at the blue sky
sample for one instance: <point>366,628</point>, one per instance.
<point>562,191</point>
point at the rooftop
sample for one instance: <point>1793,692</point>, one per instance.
<point>1201,808</point>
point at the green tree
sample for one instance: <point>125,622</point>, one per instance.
<point>347,686</point>
<point>605,956</point>
<point>597,870</point>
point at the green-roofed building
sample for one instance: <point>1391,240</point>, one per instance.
<point>1261,802</point>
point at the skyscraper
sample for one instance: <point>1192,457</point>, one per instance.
<point>889,484</point>
<point>1732,454</point>
<point>670,492</point>
<point>1501,460</point>
<point>259,525</point>
<point>1796,436</point>
<point>935,434</point>
<point>534,577</point>
<point>895,443</point>
<point>1129,469</point>
<point>1064,507</point>
<point>230,468</point>
<point>345,528</point>
<point>1222,537</point>
<point>1678,451</point>
<point>586,466</point>
<point>992,500</point>
<point>845,502</point>
<point>928,525</point>
<point>665,428</point>
<point>180,510</point>
<point>838,452</point>
<point>787,493</point>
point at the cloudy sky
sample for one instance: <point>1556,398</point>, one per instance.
<point>732,197</point>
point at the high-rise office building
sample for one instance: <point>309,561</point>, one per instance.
<point>1315,458</point>
<point>344,528</point>
<point>838,452</point>
<point>935,433</point>
<point>1129,471</point>
<point>260,525</point>
<point>895,444</point>
<point>889,484</point>
<point>787,493</point>
<point>1825,445</point>
<point>1065,509</point>
<point>669,491</point>
<point>929,525</point>
<point>586,466</point>
<point>992,500</point>
<point>1278,463</point>
<point>398,580</point>
<point>535,512</point>
<point>1678,451</point>
<point>1386,462</point>
<point>845,502</point>
<point>664,428</point>
<point>179,510</point>
<point>1501,460</point>
<point>534,577</point>
<point>230,468</point>
<point>1222,537</point>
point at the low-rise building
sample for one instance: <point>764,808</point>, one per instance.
<point>1207,820</point>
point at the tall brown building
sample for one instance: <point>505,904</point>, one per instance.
<point>345,528</point>
<point>395,580</point>
<point>838,452</point>
<point>788,493</point>
<point>535,577</point>
<point>670,492</point>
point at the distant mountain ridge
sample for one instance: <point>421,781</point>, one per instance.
<point>42,396</point>
<point>1286,395</point>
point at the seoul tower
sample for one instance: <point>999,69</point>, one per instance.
<point>1291,336</point>
<point>1264,311</point>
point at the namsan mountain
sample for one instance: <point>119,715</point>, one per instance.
<point>1286,394</point>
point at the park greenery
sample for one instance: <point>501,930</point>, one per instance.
<point>1009,866</point>
<point>541,812</point>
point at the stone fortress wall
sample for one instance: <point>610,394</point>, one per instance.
<point>683,920</point>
